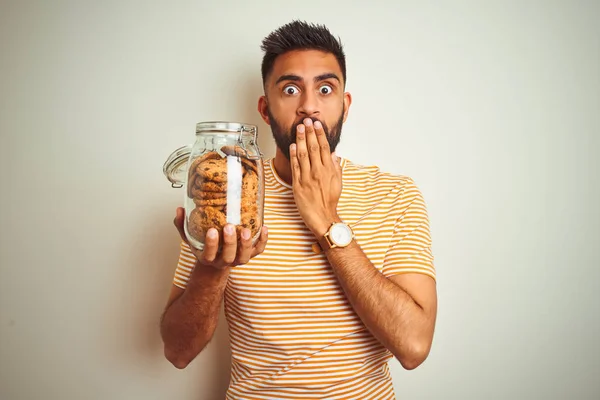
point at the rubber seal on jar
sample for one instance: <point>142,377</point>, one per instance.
<point>175,168</point>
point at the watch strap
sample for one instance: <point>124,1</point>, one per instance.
<point>324,242</point>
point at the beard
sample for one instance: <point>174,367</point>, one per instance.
<point>285,137</point>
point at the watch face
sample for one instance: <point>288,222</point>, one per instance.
<point>340,234</point>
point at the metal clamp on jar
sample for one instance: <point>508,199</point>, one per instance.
<point>223,177</point>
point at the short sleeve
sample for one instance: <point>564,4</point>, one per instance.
<point>185,265</point>
<point>410,247</point>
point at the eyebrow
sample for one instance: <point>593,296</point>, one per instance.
<point>296,78</point>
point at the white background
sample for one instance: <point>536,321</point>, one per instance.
<point>491,106</point>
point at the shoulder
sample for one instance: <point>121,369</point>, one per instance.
<point>374,176</point>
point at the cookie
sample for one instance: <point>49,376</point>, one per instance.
<point>203,218</point>
<point>211,155</point>
<point>191,182</point>
<point>248,205</point>
<point>213,170</point>
<point>202,195</point>
<point>194,165</point>
<point>192,174</point>
<point>210,202</point>
<point>233,150</point>
<point>250,166</point>
<point>249,219</point>
<point>204,185</point>
<point>200,203</point>
<point>202,188</point>
<point>250,186</point>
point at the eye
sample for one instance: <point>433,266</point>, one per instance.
<point>290,90</point>
<point>326,89</point>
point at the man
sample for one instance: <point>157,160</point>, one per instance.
<point>345,280</point>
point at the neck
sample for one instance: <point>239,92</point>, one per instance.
<point>282,167</point>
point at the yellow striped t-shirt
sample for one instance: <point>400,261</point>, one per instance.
<point>293,333</point>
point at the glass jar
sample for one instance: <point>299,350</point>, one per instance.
<point>223,179</point>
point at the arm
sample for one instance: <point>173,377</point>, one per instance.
<point>399,311</point>
<point>191,314</point>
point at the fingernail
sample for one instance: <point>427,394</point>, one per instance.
<point>229,229</point>
<point>318,124</point>
<point>308,122</point>
<point>293,147</point>
<point>301,128</point>
<point>245,234</point>
<point>212,233</point>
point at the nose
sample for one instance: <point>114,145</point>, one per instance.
<point>309,105</point>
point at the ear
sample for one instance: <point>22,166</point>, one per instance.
<point>347,103</point>
<point>262,109</point>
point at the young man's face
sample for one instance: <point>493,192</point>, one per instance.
<point>304,84</point>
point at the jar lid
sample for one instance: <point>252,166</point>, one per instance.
<point>247,134</point>
<point>225,126</point>
<point>175,167</point>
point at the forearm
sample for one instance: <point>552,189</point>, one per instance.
<point>389,312</point>
<point>189,322</point>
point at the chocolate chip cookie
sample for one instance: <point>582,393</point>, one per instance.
<point>213,170</point>
<point>250,219</point>
<point>204,185</point>
<point>250,185</point>
<point>203,202</point>
<point>203,218</point>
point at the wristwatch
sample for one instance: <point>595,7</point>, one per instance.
<point>338,235</point>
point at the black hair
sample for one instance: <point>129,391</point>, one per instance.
<point>300,35</point>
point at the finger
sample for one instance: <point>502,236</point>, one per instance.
<point>295,164</point>
<point>211,246</point>
<point>323,144</point>
<point>301,151</point>
<point>229,245</point>
<point>178,222</point>
<point>312,145</point>
<point>262,242</point>
<point>245,249</point>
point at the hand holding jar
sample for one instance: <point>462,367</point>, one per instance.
<point>222,172</point>
<point>233,252</point>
